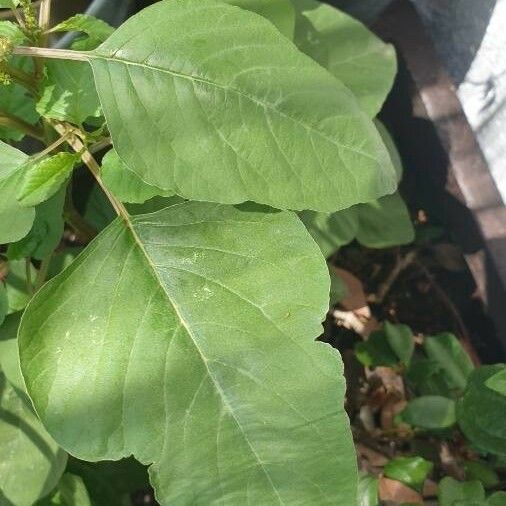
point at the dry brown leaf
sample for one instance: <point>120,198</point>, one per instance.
<point>395,491</point>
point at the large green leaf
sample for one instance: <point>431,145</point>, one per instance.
<point>234,114</point>
<point>70,491</point>
<point>15,220</point>
<point>481,412</point>
<point>279,12</point>
<point>343,45</point>
<point>31,463</point>
<point>183,338</point>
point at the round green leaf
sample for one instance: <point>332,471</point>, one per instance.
<point>412,471</point>
<point>481,412</point>
<point>184,338</point>
<point>236,114</point>
<point>430,412</point>
<point>456,493</point>
<point>401,340</point>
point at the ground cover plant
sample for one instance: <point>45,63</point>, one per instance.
<point>170,191</point>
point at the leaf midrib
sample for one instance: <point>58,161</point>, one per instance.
<point>265,105</point>
<point>186,326</point>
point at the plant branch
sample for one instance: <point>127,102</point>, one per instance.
<point>44,14</point>
<point>49,52</point>
<point>402,264</point>
<point>8,121</point>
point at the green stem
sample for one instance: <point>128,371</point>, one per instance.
<point>43,270</point>
<point>28,271</point>
<point>49,52</point>
<point>8,121</point>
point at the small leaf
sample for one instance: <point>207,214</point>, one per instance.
<point>460,493</point>
<point>15,220</point>
<point>46,231</point>
<point>446,350</point>
<point>497,382</point>
<point>430,412</point>
<point>126,185</point>
<point>44,178</point>
<point>401,340</point>
<point>412,471</point>
<point>426,377</point>
<point>481,471</point>
<point>205,294</point>
<point>16,101</point>
<point>481,412</point>
<point>13,32</point>
<point>279,12</point>
<point>70,491</point>
<point>368,491</point>
<point>351,52</point>
<point>93,27</point>
<point>69,92</point>
<point>376,352</point>
<point>236,114</point>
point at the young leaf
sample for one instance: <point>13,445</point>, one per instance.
<point>15,220</point>
<point>234,114</point>
<point>69,92</point>
<point>412,471</point>
<point>279,12</point>
<point>497,382</point>
<point>446,350</point>
<point>44,178</point>
<point>401,340</point>
<point>126,185</point>
<point>376,352</point>
<point>93,27</point>
<point>343,45</point>
<point>12,31</point>
<point>32,463</point>
<point>70,491</point>
<point>430,412</point>
<point>46,231</point>
<point>216,380</point>
<point>368,491</point>
<point>481,412</point>
<point>455,493</point>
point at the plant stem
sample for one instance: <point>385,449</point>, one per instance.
<point>28,271</point>
<point>18,124</point>
<point>44,16</point>
<point>77,145</point>
<point>48,52</point>
<point>43,269</point>
<point>19,19</point>
<point>402,264</point>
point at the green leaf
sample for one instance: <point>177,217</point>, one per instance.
<point>5,4</point>
<point>497,499</point>
<point>236,114</point>
<point>126,185</point>
<point>453,360</point>
<point>31,461</point>
<point>481,412</point>
<point>430,412</point>
<point>426,377</point>
<point>477,470</point>
<point>110,483</point>
<point>338,288</point>
<point>460,493</point>
<point>70,491</point>
<point>15,101</point>
<point>351,52</point>
<point>90,25</point>
<point>279,12</point>
<point>44,178</point>
<point>15,220</point>
<point>401,340</point>
<point>497,382</point>
<point>376,351</point>
<point>412,471</point>
<point>368,491</point>
<point>12,31</point>
<point>331,231</point>
<point>46,232</point>
<point>216,379</point>
<point>69,93</point>
<point>4,303</point>
<point>16,285</point>
<point>385,223</point>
